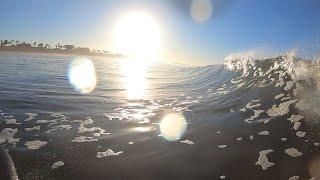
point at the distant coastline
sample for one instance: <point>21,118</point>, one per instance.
<point>16,46</point>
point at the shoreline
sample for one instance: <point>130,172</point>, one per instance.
<point>59,52</point>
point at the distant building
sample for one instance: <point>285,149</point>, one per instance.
<point>24,45</point>
<point>83,50</point>
<point>69,47</point>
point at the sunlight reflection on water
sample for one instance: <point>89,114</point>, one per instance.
<point>143,129</point>
<point>134,78</point>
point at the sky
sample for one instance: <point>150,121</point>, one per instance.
<point>233,26</point>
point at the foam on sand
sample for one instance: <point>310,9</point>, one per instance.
<point>294,178</point>
<point>263,160</point>
<point>279,96</point>
<point>280,110</point>
<point>239,139</point>
<point>57,164</point>
<point>36,144</point>
<point>293,152</point>
<point>108,153</point>
<point>295,118</point>
<point>285,98</point>
<point>187,142</point>
<point>296,125</point>
<point>300,134</point>
<point>222,146</point>
<point>264,133</point>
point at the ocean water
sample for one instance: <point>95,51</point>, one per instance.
<point>122,119</point>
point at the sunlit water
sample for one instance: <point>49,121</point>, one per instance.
<point>121,119</point>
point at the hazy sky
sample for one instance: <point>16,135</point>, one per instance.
<point>234,25</point>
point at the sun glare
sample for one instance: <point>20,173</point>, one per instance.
<point>137,35</point>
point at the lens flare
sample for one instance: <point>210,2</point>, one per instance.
<point>201,10</point>
<point>82,75</point>
<point>173,126</point>
<point>314,167</point>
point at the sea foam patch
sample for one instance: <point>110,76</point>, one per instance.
<point>108,153</point>
<point>84,139</point>
<point>65,127</point>
<point>253,104</point>
<point>264,133</point>
<point>97,131</point>
<point>280,110</point>
<point>35,128</point>
<point>295,118</point>
<point>57,164</point>
<point>7,134</point>
<point>255,115</point>
<point>300,134</point>
<point>222,146</point>
<point>293,152</point>
<point>279,96</point>
<point>294,178</point>
<point>30,116</point>
<point>36,144</point>
<point>187,142</point>
<point>263,160</point>
<point>12,121</point>
<point>296,125</point>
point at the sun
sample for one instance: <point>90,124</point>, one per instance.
<point>137,35</point>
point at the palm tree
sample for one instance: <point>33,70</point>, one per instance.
<point>59,46</point>
<point>34,44</point>
<point>5,43</point>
